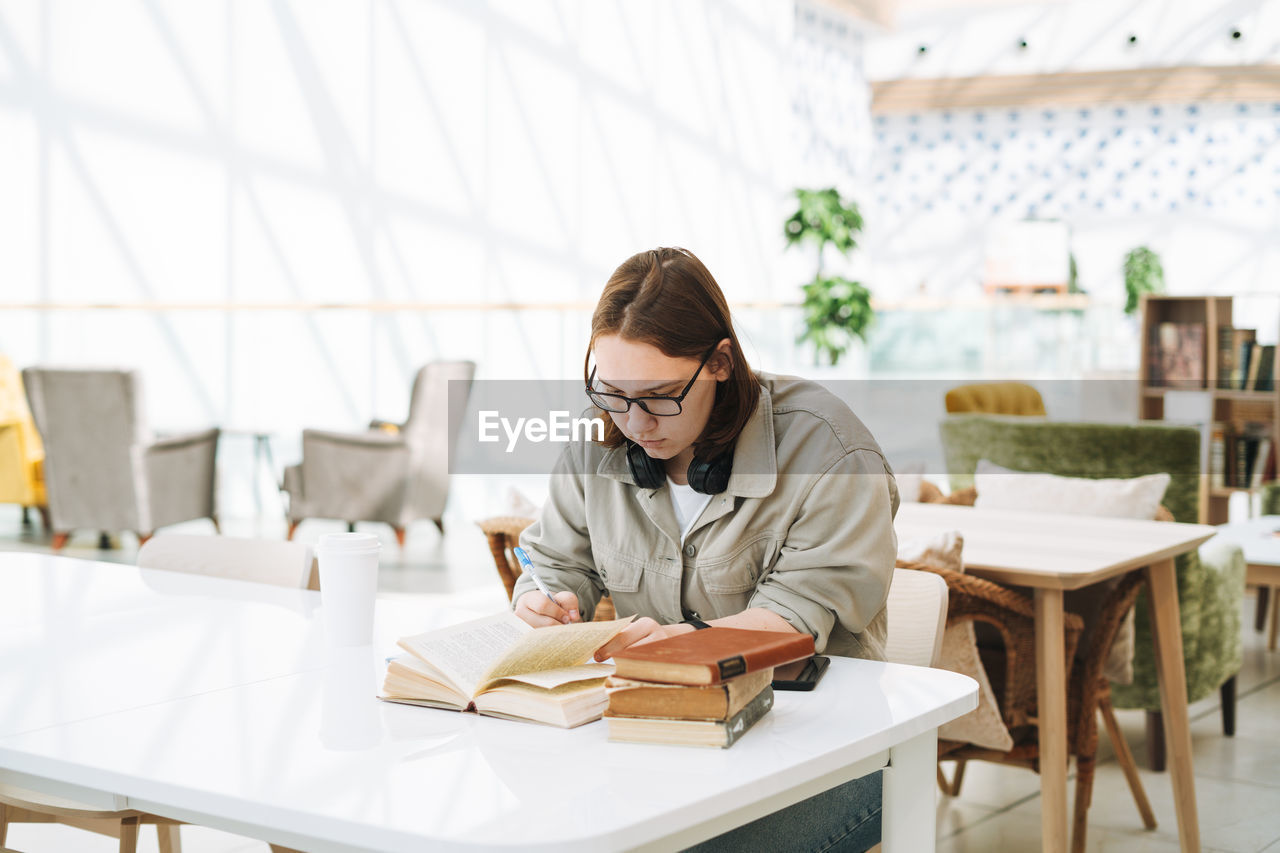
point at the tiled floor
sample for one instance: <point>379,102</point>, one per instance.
<point>1237,779</point>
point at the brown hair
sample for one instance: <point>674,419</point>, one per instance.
<point>668,299</point>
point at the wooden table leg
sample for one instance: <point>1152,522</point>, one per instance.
<point>1051,699</point>
<point>1166,631</point>
<point>1275,618</point>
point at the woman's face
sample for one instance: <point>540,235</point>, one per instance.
<point>642,370</point>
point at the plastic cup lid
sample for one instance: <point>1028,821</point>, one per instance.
<point>348,542</point>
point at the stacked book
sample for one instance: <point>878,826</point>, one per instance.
<point>703,688</point>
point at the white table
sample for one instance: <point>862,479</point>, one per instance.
<point>1052,553</point>
<point>217,702</point>
<point>1259,538</point>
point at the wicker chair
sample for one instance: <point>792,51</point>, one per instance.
<point>1210,580</point>
<point>503,533</point>
<point>1012,672</point>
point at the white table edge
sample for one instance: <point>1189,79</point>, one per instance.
<point>680,828</point>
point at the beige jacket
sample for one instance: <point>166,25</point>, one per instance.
<point>805,528</point>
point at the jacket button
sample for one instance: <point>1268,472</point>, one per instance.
<point>690,550</point>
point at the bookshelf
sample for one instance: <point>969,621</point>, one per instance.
<point>1192,343</point>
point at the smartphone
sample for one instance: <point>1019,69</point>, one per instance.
<point>801,675</point>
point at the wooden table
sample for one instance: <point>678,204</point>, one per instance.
<point>1259,538</point>
<point>1052,553</point>
<point>217,702</point>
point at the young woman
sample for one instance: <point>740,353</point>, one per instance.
<point>719,496</point>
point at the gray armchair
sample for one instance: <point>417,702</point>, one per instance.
<point>392,473</point>
<point>104,469</point>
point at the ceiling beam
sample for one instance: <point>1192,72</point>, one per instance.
<point>1079,88</point>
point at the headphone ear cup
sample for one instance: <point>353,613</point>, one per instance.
<point>711,477</point>
<point>645,470</point>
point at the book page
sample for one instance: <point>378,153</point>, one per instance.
<point>552,678</point>
<point>464,653</point>
<point>553,648</point>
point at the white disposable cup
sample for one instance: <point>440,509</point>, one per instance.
<point>348,586</point>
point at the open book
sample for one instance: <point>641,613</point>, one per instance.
<point>503,667</point>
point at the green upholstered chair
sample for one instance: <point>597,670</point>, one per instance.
<point>1210,582</point>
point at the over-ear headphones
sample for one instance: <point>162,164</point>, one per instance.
<point>708,476</point>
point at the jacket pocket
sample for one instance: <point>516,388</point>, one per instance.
<point>740,570</point>
<point>620,572</point>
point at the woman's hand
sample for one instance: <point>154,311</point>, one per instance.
<point>536,609</point>
<point>642,630</point>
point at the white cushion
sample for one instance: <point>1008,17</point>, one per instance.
<point>1004,488</point>
<point>1138,497</point>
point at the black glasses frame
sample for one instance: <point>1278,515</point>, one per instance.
<point>678,399</point>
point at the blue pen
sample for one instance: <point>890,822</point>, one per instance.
<point>527,565</point>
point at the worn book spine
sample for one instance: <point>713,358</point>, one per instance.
<point>723,734</point>
<point>1225,356</point>
<point>1255,362</point>
<point>629,698</point>
<point>1266,369</point>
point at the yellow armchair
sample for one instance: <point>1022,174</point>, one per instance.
<point>995,398</point>
<point>21,452</point>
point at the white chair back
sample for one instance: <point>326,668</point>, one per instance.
<point>270,561</point>
<point>917,608</point>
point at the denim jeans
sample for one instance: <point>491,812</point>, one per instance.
<point>845,819</point>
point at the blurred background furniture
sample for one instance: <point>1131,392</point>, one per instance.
<point>391,473</point>
<point>996,398</point>
<point>917,611</point>
<point>104,469</point>
<point>1261,546</point>
<point>1011,670</point>
<point>503,534</point>
<point>1270,503</point>
<point>18,805</point>
<point>269,561</point>
<point>1210,581</point>
<point>21,451</point>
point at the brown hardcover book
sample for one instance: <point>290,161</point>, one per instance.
<point>721,733</point>
<point>1255,362</point>
<point>628,698</point>
<point>711,655</point>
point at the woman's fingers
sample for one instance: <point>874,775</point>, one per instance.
<point>539,611</point>
<point>568,606</point>
<point>643,629</point>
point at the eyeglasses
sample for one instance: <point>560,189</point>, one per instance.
<point>661,406</point>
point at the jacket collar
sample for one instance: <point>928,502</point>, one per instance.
<point>755,456</point>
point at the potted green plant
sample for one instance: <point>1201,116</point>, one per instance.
<point>1143,273</point>
<point>836,309</point>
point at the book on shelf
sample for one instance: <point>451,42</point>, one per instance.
<point>1226,356</point>
<point>630,698</point>
<point>1259,464</point>
<point>501,666</point>
<point>1249,447</point>
<point>1218,456</point>
<point>712,733</point>
<point>1242,345</point>
<point>711,655</point>
<point>1255,363</point>
<point>1264,378</point>
<point>1176,355</point>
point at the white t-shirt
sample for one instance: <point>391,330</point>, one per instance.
<point>688,505</point>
